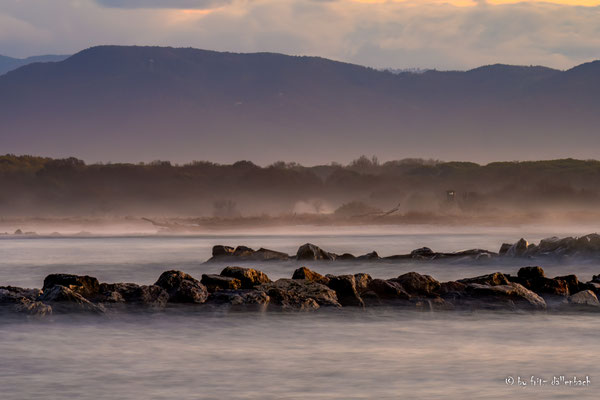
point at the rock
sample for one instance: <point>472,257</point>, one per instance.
<point>243,251</point>
<point>311,252</point>
<point>289,300</point>
<point>556,247</point>
<point>147,295</point>
<point>497,278</point>
<point>85,285</point>
<point>593,286</point>
<point>518,249</point>
<point>422,253</point>
<point>452,291</point>
<point>596,278</point>
<point>346,257</point>
<point>253,299</point>
<point>249,277</point>
<point>18,301</point>
<point>504,248</point>
<point>384,290</point>
<point>588,243</point>
<point>369,256</point>
<point>362,281</point>
<point>309,275</point>
<point>220,250</point>
<point>296,291</point>
<point>572,282</point>
<point>182,288</point>
<point>63,300</point>
<point>531,273</point>
<point>269,255</point>
<point>30,294</point>
<point>345,289</point>
<point>511,296</point>
<point>218,282</point>
<point>416,284</point>
<point>585,298</point>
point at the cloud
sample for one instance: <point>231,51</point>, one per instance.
<point>171,4</point>
<point>399,34</point>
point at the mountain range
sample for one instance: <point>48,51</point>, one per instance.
<point>113,103</point>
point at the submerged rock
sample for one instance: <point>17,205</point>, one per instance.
<point>19,301</point>
<point>244,253</point>
<point>248,277</point>
<point>146,295</point>
<point>182,288</point>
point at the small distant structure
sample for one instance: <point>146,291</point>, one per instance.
<point>450,196</point>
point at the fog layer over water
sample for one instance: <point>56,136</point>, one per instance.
<point>348,354</point>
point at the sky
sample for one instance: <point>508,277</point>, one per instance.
<point>452,34</point>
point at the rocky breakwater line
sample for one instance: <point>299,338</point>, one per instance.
<point>237,288</point>
<point>583,247</point>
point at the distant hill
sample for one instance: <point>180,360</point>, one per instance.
<point>9,63</point>
<point>141,103</point>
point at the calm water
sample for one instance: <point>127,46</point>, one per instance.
<point>373,354</point>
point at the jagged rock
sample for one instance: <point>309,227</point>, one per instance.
<point>596,278</point>
<point>299,290</point>
<point>311,252</point>
<point>504,248</point>
<point>345,288</point>
<point>291,300</point>
<point>418,285</point>
<point>17,300</point>
<point>511,296</point>
<point>218,282</point>
<point>147,295</point>
<point>85,285</point>
<point>497,278</point>
<point>362,281</point>
<point>585,298</point>
<point>220,250</point>
<point>182,288</point>
<point>309,275</point>
<point>250,299</point>
<point>62,299</point>
<point>531,273</point>
<point>380,291</point>
<point>249,277</point>
<point>593,286</point>
<point>572,283</point>
<point>243,251</point>
<point>518,249</point>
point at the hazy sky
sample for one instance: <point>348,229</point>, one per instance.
<point>453,34</point>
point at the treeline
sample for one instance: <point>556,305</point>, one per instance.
<point>40,186</point>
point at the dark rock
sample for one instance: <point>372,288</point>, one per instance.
<point>294,292</point>
<point>512,296</point>
<point>369,256</point>
<point>531,273</point>
<point>452,291</point>
<point>572,282</point>
<point>346,257</point>
<point>30,294</point>
<point>220,250</point>
<point>249,299</point>
<point>417,284</point>
<point>147,295</point>
<point>182,288</point>
<point>87,286</point>
<point>243,252</point>
<point>362,281</point>
<point>63,300</point>
<point>17,300</point>
<point>269,255</point>
<point>497,278</point>
<point>309,275</point>
<point>504,248</point>
<point>311,252</point>
<point>386,290</point>
<point>249,277</point>
<point>596,278</point>
<point>422,253</point>
<point>345,288</point>
<point>518,249</point>
<point>218,282</point>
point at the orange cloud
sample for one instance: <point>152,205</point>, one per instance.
<point>467,3</point>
